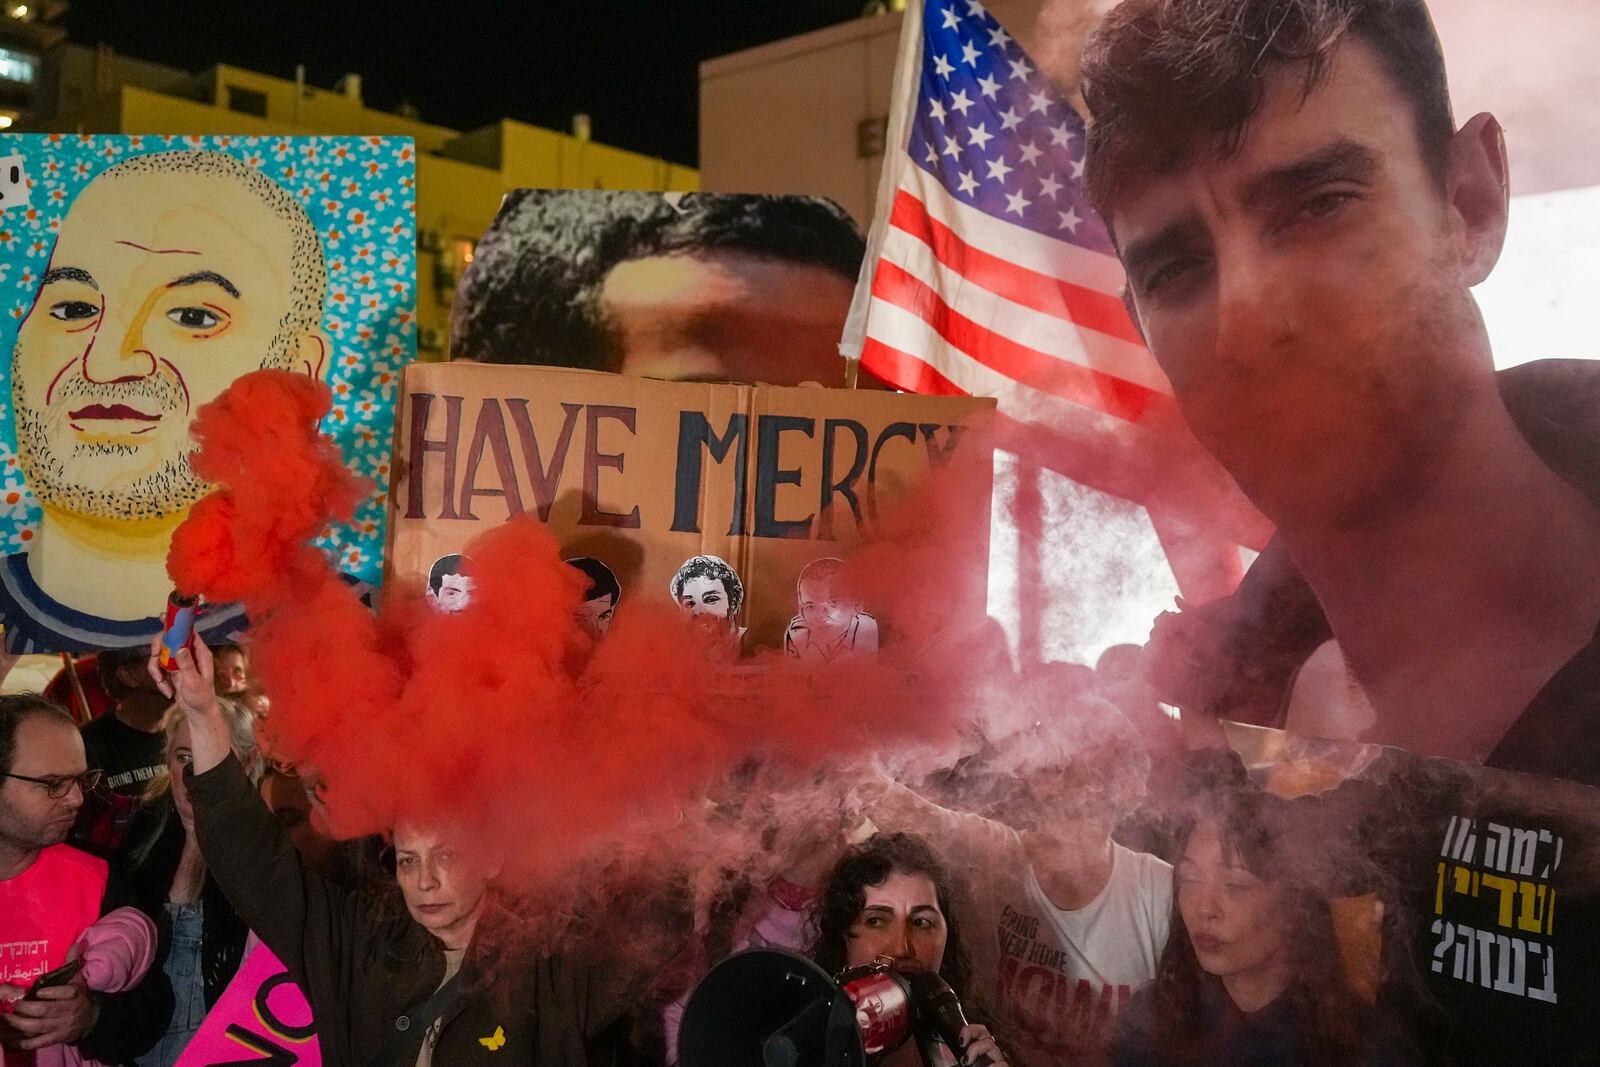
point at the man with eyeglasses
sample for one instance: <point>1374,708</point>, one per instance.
<point>50,893</point>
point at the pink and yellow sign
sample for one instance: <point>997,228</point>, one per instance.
<point>262,1013</point>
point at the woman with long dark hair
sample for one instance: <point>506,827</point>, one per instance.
<point>1252,973</point>
<point>890,898</point>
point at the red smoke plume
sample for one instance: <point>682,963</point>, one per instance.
<point>503,717</point>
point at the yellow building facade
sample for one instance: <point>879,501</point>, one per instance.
<point>460,176</point>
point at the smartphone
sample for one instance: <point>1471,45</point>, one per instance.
<point>60,976</point>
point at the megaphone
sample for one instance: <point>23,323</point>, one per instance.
<point>767,1008</point>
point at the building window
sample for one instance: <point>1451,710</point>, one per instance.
<point>871,135</point>
<point>247,101</point>
<point>18,66</point>
<point>453,261</point>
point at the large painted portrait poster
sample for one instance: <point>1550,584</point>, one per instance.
<point>139,276</point>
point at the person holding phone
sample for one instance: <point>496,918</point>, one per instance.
<point>51,895</point>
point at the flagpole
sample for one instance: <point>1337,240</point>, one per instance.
<point>907,69</point>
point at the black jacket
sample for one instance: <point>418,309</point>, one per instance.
<point>363,966</point>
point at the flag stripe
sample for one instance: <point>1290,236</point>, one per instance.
<point>1019,362</point>
<point>1059,338</point>
<point>1088,308</point>
<point>896,330</point>
<point>1018,244</point>
<point>905,371</point>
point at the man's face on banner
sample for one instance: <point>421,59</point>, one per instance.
<point>728,316</point>
<point>1306,294</point>
<point>594,616</point>
<point>824,607</point>
<point>453,595</point>
<point>705,600</point>
<point>161,290</point>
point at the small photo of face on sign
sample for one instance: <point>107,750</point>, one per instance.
<point>600,596</point>
<point>449,584</point>
<point>709,594</point>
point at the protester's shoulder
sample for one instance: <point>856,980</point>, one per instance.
<point>71,862</point>
<point>1145,869</point>
<point>98,728</point>
<point>1146,864</point>
<point>1555,404</point>
<point>1552,392</point>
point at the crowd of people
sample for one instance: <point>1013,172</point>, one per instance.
<point>1094,885</point>
<point>1080,915</point>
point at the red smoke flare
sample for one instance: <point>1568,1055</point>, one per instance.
<point>502,718</point>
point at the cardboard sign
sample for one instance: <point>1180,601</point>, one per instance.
<point>649,477</point>
<point>261,1017</point>
<point>139,277</point>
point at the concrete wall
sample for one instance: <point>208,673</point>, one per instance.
<point>783,117</point>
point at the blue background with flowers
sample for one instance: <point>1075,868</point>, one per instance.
<point>360,193</point>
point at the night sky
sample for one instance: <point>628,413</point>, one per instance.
<point>632,66</point>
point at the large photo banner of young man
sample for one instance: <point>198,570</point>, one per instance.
<point>736,501</point>
<point>139,276</point>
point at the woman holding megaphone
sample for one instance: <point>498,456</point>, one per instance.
<point>887,902</point>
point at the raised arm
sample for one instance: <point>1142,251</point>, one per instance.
<point>299,915</point>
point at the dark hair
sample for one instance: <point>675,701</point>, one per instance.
<point>845,894</point>
<point>710,567</point>
<point>602,581</point>
<point>1262,833</point>
<point>1164,79</point>
<point>17,708</point>
<point>532,294</point>
<point>1085,743</point>
<point>442,566</point>
<point>110,662</point>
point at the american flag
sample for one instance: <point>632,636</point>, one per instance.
<point>988,274</point>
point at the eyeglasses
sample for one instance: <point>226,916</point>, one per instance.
<point>58,786</point>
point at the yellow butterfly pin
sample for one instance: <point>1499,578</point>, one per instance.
<point>495,1043</point>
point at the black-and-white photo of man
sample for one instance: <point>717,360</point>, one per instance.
<point>449,586</point>
<point>708,591</point>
